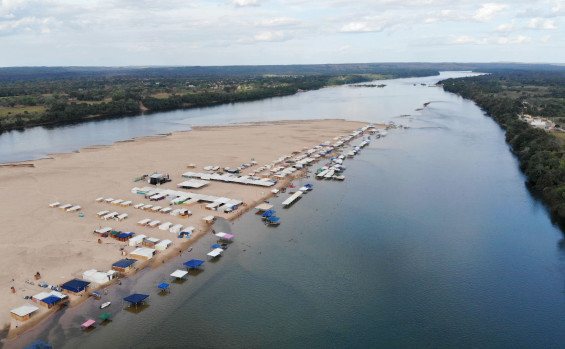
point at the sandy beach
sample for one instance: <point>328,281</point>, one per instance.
<point>60,245</point>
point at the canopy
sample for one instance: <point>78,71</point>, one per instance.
<point>124,263</point>
<point>75,285</point>
<point>39,344</point>
<point>51,300</point>
<point>215,253</point>
<point>215,246</point>
<point>88,323</point>
<point>273,219</point>
<point>104,316</point>
<point>224,236</point>
<point>179,273</point>
<point>268,213</point>
<point>163,285</point>
<point>194,263</point>
<point>136,298</point>
<point>264,207</point>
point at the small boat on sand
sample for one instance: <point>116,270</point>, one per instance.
<point>104,305</point>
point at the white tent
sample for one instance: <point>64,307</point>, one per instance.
<point>136,239</point>
<point>163,245</point>
<point>215,253</point>
<point>165,226</point>
<point>143,253</point>
<point>176,228</point>
<point>179,274</point>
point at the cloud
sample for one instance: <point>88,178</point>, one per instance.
<point>361,27</point>
<point>279,22</point>
<point>272,36</point>
<point>506,27</point>
<point>542,23</point>
<point>245,3</point>
<point>488,11</point>
<point>520,39</point>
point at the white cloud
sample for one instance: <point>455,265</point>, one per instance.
<point>271,36</point>
<point>520,39</point>
<point>541,23</point>
<point>488,11</point>
<point>246,3</point>
<point>506,27</point>
<point>279,22</point>
<point>361,27</point>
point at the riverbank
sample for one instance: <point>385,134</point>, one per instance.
<point>60,245</point>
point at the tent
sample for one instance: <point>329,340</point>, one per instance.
<point>88,323</point>
<point>104,316</point>
<point>268,213</point>
<point>179,274</point>
<point>75,286</point>
<point>194,263</point>
<point>273,220</point>
<point>163,286</point>
<point>136,298</point>
<point>215,253</point>
<point>224,236</point>
<point>39,344</point>
<point>123,265</point>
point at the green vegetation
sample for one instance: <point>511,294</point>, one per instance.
<point>37,96</point>
<point>504,96</point>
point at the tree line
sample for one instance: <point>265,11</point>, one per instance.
<point>506,95</point>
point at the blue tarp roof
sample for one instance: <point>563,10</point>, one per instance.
<point>75,285</point>
<point>308,185</point>
<point>124,235</point>
<point>124,263</point>
<point>136,298</point>
<point>268,213</point>
<point>215,246</point>
<point>39,344</point>
<point>51,300</point>
<point>194,263</point>
<point>163,286</point>
<point>273,219</point>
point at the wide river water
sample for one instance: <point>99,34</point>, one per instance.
<point>432,240</point>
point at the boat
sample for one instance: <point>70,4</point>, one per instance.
<point>105,305</point>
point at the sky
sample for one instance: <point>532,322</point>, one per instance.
<point>256,32</point>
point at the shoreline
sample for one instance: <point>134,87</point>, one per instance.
<point>145,142</point>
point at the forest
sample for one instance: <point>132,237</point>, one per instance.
<point>31,96</point>
<point>505,96</point>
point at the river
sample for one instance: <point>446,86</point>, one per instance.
<point>433,240</point>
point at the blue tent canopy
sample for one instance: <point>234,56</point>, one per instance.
<point>194,263</point>
<point>273,219</point>
<point>136,298</point>
<point>215,246</point>
<point>308,185</point>
<point>268,213</point>
<point>124,263</point>
<point>51,300</point>
<point>163,286</point>
<point>39,344</point>
<point>124,235</point>
<point>75,285</point>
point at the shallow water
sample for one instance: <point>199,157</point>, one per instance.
<point>431,241</point>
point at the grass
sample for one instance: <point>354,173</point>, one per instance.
<point>4,111</point>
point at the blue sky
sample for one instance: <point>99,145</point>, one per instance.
<point>236,32</point>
